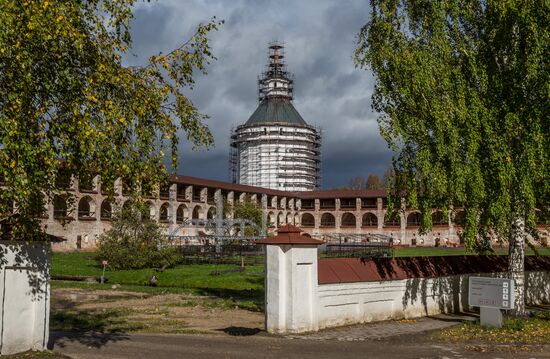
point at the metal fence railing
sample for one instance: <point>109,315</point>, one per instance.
<point>218,249</point>
<point>243,250</point>
<point>356,245</point>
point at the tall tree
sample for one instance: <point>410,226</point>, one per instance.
<point>462,92</point>
<point>373,182</point>
<point>69,107</point>
<point>357,183</point>
<point>389,176</point>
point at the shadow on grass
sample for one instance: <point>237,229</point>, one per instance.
<point>63,303</point>
<point>253,296</point>
<point>91,328</point>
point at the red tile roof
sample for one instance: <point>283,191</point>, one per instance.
<point>350,270</point>
<point>289,234</point>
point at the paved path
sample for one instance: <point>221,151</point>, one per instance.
<point>137,346</point>
<point>386,329</point>
<point>392,339</point>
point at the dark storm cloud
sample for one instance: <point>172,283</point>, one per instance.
<point>345,162</point>
<point>330,92</point>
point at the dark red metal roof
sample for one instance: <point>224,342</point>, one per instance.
<point>302,195</point>
<point>350,270</point>
<point>227,185</point>
<point>289,234</point>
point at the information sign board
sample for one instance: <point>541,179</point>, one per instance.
<point>491,292</point>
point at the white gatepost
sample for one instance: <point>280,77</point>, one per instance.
<point>24,296</point>
<point>291,282</point>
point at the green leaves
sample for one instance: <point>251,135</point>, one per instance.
<point>462,92</point>
<point>134,241</point>
<point>67,101</point>
<point>246,210</point>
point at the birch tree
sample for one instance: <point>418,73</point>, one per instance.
<point>462,90</point>
<point>69,107</point>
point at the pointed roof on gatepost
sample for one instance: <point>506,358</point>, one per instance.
<point>289,234</point>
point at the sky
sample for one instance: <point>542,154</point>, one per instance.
<point>330,92</point>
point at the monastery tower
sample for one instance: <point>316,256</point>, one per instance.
<point>276,148</point>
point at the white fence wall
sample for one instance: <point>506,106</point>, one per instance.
<point>294,306</point>
<point>349,303</point>
<point>24,296</point>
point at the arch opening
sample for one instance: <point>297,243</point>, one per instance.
<point>106,211</point>
<point>438,219</point>
<point>180,213</point>
<point>60,207</point>
<point>348,220</point>
<point>308,220</point>
<point>328,220</point>
<point>164,213</point>
<point>392,220</point>
<point>413,219</point>
<point>369,220</point>
<point>86,208</point>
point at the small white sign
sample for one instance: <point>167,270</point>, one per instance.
<point>491,292</point>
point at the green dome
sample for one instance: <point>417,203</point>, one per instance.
<point>276,110</point>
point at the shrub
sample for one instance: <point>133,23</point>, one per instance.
<point>514,324</point>
<point>135,242</point>
<point>541,315</point>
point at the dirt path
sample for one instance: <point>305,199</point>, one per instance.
<point>117,311</point>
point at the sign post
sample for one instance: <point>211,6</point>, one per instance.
<point>491,295</point>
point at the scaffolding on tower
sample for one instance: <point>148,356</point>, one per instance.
<point>276,148</point>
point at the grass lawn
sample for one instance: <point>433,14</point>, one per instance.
<point>532,330</point>
<point>182,276</point>
<point>442,251</point>
<point>245,287</point>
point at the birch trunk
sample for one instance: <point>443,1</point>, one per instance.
<point>516,263</point>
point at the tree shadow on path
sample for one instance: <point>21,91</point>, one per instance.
<point>89,339</point>
<point>90,328</point>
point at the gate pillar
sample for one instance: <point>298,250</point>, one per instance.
<point>291,300</point>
